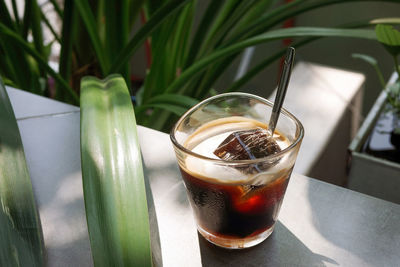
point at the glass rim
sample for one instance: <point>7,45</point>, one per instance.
<point>236,162</point>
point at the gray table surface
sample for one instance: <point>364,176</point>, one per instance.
<point>319,224</point>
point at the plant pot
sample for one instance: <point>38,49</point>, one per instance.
<point>374,162</point>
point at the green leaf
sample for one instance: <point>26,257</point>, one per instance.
<point>116,20</point>
<point>202,29</point>
<point>281,13</point>
<point>256,11</point>
<point>27,19</point>
<point>152,24</point>
<point>169,47</point>
<point>15,13</point>
<point>374,63</point>
<point>90,25</point>
<point>20,231</point>
<point>26,47</point>
<point>68,31</point>
<point>178,110</point>
<point>36,27</point>
<point>56,8</point>
<point>389,37</point>
<point>366,58</point>
<point>264,63</point>
<point>175,103</point>
<point>49,26</point>
<point>200,65</point>
<point>16,61</point>
<point>113,181</point>
<point>181,100</point>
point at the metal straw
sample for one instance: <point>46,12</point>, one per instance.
<point>282,88</point>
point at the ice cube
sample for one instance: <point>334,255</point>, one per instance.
<point>247,144</point>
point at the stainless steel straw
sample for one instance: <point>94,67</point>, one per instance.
<point>282,88</point>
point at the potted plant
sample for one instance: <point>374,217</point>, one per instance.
<point>375,151</point>
<point>185,58</point>
<point>185,63</point>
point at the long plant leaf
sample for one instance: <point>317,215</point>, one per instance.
<point>17,62</point>
<point>265,22</point>
<point>374,63</point>
<point>16,15</point>
<point>21,241</point>
<point>264,63</point>
<point>113,181</point>
<point>37,28</point>
<point>7,69</point>
<point>26,47</point>
<point>174,103</point>
<point>68,31</point>
<point>49,26</point>
<point>178,110</point>
<point>37,36</point>
<point>284,12</point>
<point>180,86</point>
<point>202,29</point>
<point>5,16</point>
<point>27,18</point>
<point>117,31</point>
<point>228,24</point>
<point>162,70</point>
<point>257,10</point>
<point>57,8</point>
<point>179,47</point>
<point>155,21</point>
<point>169,47</point>
<point>196,68</point>
<point>91,28</point>
<point>175,99</point>
<point>16,59</point>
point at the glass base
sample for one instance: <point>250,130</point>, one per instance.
<point>236,243</point>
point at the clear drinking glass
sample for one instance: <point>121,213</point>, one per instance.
<point>235,202</point>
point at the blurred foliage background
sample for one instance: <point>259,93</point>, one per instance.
<point>189,47</point>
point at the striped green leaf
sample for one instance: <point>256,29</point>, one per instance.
<point>21,241</point>
<point>389,37</point>
<point>113,181</point>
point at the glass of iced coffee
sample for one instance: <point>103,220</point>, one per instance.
<point>234,171</point>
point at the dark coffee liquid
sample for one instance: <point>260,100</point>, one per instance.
<point>235,211</point>
<point>231,202</point>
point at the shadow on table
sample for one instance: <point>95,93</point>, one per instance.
<point>282,248</point>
